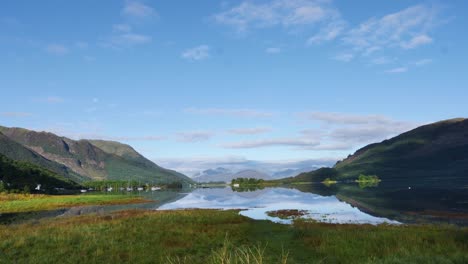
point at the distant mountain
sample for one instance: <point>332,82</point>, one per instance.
<point>225,175</point>
<point>291,172</point>
<point>437,153</point>
<point>251,174</point>
<point>213,175</point>
<point>95,160</point>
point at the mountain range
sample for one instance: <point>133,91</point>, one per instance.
<point>82,160</point>
<point>225,175</point>
<point>436,153</point>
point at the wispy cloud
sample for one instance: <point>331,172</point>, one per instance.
<point>286,13</point>
<point>193,165</point>
<point>422,62</point>
<point>328,33</point>
<point>273,50</point>
<point>136,9</point>
<point>249,131</point>
<point>229,112</point>
<point>345,57</point>
<point>194,136</point>
<point>122,28</point>
<point>382,60</point>
<point>57,49</point>
<point>126,34</point>
<point>50,99</point>
<point>407,29</point>
<point>416,41</point>
<point>16,114</point>
<point>397,70</point>
<point>345,131</point>
<point>196,53</point>
<point>345,118</point>
<point>292,142</point>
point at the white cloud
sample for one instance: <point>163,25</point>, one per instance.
<point>345,131</point>
<point>229,112</point>
<point>328,33</point>
<point>295,142</point>
<point>135,9</point>
<point>81,44</point>
<point>273,50</point>
<point>194,136</point>
<point>57,49</point>
<point>382,60</point>
<point>416,42</point>
<point>345,118</point>
<point>422,62</point>
<point>122,28</point>
<point>126,40</point>
<point>89,58</point>
<point>406,29</point>
<point>345,57</point>
<point>192,165</point>
<point>249,131</point>
<point>197,53</point>
<point>50,99</point>
<point>285,13</point>
<point>16,114</point>
<point>397,70</point>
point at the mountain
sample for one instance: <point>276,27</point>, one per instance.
<point>18,152</point>
<point>22,175</point>
<point>291,172</point>
<point>225,175</point>
<point>251,174</point>
<point>213,175</point>
<point>437,153</point>
<point>95,160</point>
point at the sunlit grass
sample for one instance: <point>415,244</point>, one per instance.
<point>15,203</point>
<point>211,236</point>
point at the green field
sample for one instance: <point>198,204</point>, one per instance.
<point>210,236</point>
<point>17,203</point>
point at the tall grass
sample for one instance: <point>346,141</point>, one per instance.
<point>199,237</point>
<point>16,203</point>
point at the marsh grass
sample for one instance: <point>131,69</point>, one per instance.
<point>199,236</point>
<point>16,203</point>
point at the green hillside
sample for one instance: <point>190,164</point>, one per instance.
<point>96,160</point>
<point>431,152</point>
<point>18,152</point>
<point>19,175</point>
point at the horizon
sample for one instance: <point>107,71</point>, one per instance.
<point>234,83</point>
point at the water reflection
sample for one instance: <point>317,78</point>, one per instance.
<point>256,204</point>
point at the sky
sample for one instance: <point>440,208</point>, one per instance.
<point>199,84</point>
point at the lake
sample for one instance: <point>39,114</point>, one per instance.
<point>388,202</point>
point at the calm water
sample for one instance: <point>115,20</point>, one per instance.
<point>389,202</point>
<point>257,203</point>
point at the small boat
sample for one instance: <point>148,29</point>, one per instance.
<point>140,189</point>
<point>109,189</point>
<point>154,188</point>
<point>83,191</point>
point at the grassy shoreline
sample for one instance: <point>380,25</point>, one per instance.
<point>199,236</point>
<point>18,203</point>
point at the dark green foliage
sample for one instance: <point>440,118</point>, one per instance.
<point>247,181</point>
<point>22,176</point>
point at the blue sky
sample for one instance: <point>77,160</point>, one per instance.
<point>194,84</point>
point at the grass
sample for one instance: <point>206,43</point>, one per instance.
<point>17,203</point>
<point>211,237</point>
